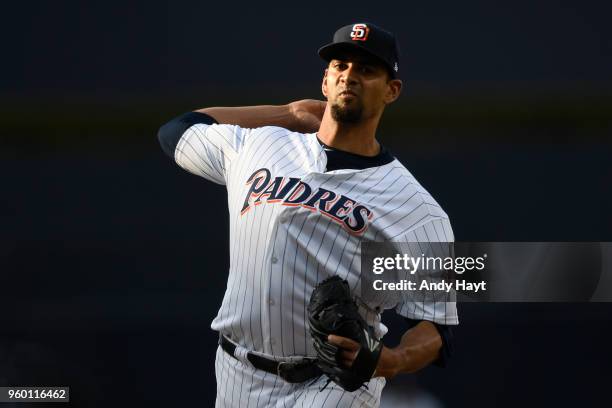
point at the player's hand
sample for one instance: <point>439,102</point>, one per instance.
<point>387,363</point>
<point>350,348</point>
<point>307,114</point>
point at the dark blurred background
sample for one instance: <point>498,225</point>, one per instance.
<point>113,261</point>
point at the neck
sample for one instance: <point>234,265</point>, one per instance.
<point>358,138</point>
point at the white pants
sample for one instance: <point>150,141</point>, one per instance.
<point>239,384</point>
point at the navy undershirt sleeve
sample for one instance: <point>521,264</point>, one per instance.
<point>448,341</point>
<point>170,133</point>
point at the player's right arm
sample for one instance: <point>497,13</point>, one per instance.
<point>200,146</point>
<point>206,142</point>
<point>299,116</point>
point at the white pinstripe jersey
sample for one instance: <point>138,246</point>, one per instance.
<point>292,224</point>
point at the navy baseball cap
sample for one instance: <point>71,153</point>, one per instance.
<point>368,38</point>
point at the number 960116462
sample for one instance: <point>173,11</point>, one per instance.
<point>14,394</point>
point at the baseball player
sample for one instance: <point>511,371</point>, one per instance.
<point>307,182</point>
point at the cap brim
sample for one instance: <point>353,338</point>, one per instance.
<point>330,51</point>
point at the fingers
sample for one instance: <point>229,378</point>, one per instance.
<point>350,349</point>
<point>347,357</point>
<point>343,342</point>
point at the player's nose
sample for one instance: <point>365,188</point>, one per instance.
<point>350,74</point>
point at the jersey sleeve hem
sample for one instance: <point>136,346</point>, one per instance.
<point>170,133</point>
<point>438,319</point>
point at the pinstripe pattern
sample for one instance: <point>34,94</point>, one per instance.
<point>279,252</point>
<point>260,389</point>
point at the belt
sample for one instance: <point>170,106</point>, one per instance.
<point>292,372</point>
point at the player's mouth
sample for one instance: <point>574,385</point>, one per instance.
<point>347,94</point>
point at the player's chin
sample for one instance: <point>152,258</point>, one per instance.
<point>349,104</point>
<point>346,114</point>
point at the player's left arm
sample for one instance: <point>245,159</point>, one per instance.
<point>425,342</point>
<point>420,346</point>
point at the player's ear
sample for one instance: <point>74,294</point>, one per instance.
<point>324,84</point>
<point>394,88</point>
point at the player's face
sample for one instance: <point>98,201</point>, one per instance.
<point>358,88</point>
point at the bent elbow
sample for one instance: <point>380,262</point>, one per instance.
<point>168,137</point>
<point>170,133</point>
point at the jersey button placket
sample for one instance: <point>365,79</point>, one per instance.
<point>270,303</point>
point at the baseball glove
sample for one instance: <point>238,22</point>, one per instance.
<point>332,310</point>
